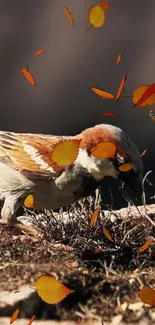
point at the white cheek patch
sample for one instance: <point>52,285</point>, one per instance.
<point>36,157</point>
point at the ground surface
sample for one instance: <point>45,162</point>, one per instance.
<point>106,283</point>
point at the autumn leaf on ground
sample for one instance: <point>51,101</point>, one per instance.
<point>118,58</point>
<point>51,290</point>
<point>31,320</point>
<point>107,234</point>
<point>29,77</point>
<point>120,89</point>
<point>104,150</point>
<point>38,52</point>
<point>29,202</point>
<point>94,217</point>
<point>125,167</point>
<point>143,153</point>
<point>65,152</point>
<point>104,5</point>
<point>70,18</point>
<point>152,114</point>
<point>109,114</point>
<point>145,246</point>
<point>149,94</point>
<point>102,93</point>
<point>14,316</point>
<point>147,295</point>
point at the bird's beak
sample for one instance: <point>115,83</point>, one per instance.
<point>133,180</point>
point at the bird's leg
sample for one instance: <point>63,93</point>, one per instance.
<point>10,206</point>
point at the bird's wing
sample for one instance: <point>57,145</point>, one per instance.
<point>30,153</point>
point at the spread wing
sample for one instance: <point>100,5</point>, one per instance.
<point>30,153</point>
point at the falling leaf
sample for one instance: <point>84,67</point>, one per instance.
<point>69,16</point>
<point>65,152</point>
<point>149,92</point>
<point>104,150</point>
<point>147,295</point>
<point>102,93</point>
<point>107,234</point>
<point>14,316</point>
<point>51,290</point>
<point>29,202</point>
<point>120,89</point>
<point>29,77</point>
<point>137,94</point>
<point>145,246</point>
<point>143,153</point>
<point>118,58</point>
<point>109,114</point>
<point>38,52</point>
<point>96,16</point>
<point>99,250</point>
<point>152,115</point>
<point>94,216</point>
<point>125,167</point>
<point>31,320</point>
<point>104,5</point>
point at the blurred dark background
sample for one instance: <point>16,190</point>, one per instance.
<point>62,101</point>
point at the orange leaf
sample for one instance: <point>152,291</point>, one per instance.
<point>65,152</point>
<point>96,16</point>
<point>109,114</point>
<point>147,295</point>
<point>31,320</point>
<point>38,52</point>
<point>151,114</point>
<point>137,94</point>
<point>143,153</point>
<point>118,58</point>
<point>107,234</point>
<point>125,167</point>
<point>14,316</point>
<point>94,216</point>
<point>104,5</point>
<point>145,246</point>
<point>29,202</point>
<point>104,150</point>
<point>51,290</point>
<point>69,16</point>
<point>149,92</point>
<point>120,89</point>
<point>102,93</point>
<point>29,76</point>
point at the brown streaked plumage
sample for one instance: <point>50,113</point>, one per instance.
<point>26,168</point>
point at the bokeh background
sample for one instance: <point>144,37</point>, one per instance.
<point>62,101</point>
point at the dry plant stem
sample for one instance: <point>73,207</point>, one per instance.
<point>144,199</point>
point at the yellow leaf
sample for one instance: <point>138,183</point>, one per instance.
<point>38,52</point>
<point>51,290</point>
<point>14,316</point>
<point>96,16</point>
<point>107,234</point>
<point>94,216</point>
<point>145,246</point>
<point>102,93</point>
<point>147,295</point>
<point>29,202</point>
<point>104,150</point>
<point>65,152</point>
<point>104,5</point>
<point>138,93</point>
<point>125,167</point>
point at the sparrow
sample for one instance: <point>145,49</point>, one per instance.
<point>26,168</point>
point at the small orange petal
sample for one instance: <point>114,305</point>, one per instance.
<point>147,295</point>
<point>120,89</point>
<point>107,234</point>
<point>145,246</point>
<point>31,320</point>
<point>14,316</point>
<point>104,5</point>
<point>94,216</point>
<point>70,18</point>
<point>29,77</point>
<point>118,58</point>
<point>109,114</point>
<point>125,167</point>
<point>38,52</point>
<point>143,153</point>
<point>29,202</point>
<point>102,93</point>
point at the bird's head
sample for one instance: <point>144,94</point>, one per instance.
<point>100,168</point>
